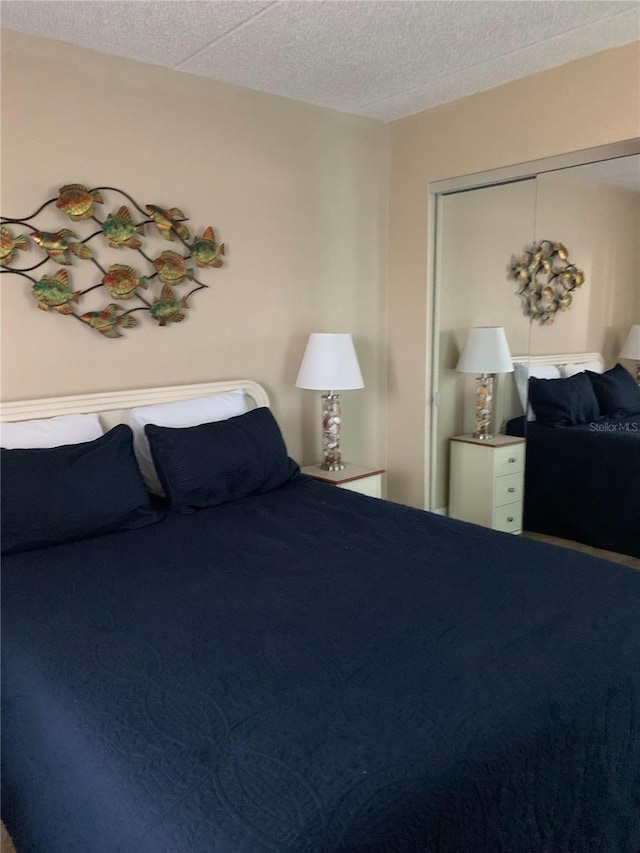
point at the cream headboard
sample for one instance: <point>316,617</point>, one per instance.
<point>114,406</point>
<point>564,358</point>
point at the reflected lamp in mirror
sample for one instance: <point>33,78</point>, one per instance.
<point>485,353</point>
<point>631,349</point>
<point>330,364</point>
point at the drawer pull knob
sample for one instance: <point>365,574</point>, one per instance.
<point>511,490</point>
<point>512,459</point>
<point>510,519</point>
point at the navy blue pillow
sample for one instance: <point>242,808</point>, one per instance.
<point>214,463</point>
<point>563,402</point>
<point>617,392</point>
<point>59,494</point>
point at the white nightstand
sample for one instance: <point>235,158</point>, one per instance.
<point>354,478</point>
<point>487,481</point>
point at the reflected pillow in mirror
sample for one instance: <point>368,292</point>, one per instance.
<point>568,370</point>
<point>564,402</point>
<point>617,392</point>
<point>522,372</point>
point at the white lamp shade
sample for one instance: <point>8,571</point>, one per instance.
<point>631,348</point>
<point>329,364</point>
<point>486,351</point>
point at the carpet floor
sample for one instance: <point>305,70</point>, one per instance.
<point>5,842</point>
<point>625,559</point>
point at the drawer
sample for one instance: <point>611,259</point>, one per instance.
<point>509,459</point>
<point>507,489</point>
<point>508,518</point>
<point>371,486</point>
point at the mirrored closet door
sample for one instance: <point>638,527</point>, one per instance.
<point>594,211</point>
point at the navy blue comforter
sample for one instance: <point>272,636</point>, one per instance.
<point>312,670</point>
<point>583,482</point>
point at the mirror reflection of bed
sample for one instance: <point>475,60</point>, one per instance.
<point>588,497</point>
<point>581,480</point>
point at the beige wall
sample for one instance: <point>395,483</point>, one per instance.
<point>589,102</point>
<point>600,225</point>
<point>298,194</point>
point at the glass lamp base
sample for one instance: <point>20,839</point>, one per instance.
<point>484,406</point>
<point>333,466</point>
<point>331,428</point>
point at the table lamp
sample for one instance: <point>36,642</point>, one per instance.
<point>486,353</point>
<point>330,362</point>
<point>631,349</point>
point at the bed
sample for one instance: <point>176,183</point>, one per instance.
<point>310,669</point>
<point>582,481</point>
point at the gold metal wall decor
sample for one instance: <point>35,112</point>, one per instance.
<point>546,280</point>
<point>158,290</point>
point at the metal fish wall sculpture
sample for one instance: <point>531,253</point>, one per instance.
<point>151,291</point>
<point>9,244</point>
<point>546,280</point>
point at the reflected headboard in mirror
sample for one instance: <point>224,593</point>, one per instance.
<point>511,404</point>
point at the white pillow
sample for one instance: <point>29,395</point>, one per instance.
<point>522,372</point>
<point>568,370</point>
<point>185,413</point>
<point>50,432</point>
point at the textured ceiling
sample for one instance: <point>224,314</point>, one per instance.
<point>380,58</point>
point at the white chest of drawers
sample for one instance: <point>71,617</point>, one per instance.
<point>487,481</point>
